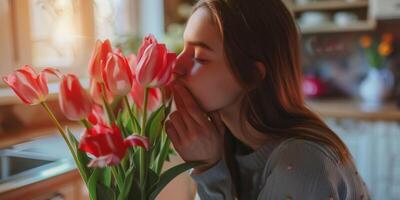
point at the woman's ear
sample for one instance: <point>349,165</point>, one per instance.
<point>261,69</point>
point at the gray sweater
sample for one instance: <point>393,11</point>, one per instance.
<point>295,169</point>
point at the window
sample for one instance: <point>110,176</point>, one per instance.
<point>60,33</point>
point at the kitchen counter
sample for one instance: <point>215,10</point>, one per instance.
<point>351,108</point>
<point>31,162</point>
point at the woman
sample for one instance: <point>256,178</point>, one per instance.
<point>240,110</point>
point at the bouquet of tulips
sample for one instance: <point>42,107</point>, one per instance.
<point>377,51</point>
<point>122,150</point>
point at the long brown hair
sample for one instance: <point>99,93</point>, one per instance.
<point>265,31</point>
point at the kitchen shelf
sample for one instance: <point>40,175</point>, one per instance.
<point>333,28</point>
<point>329,5</point>
<point>351,108</point>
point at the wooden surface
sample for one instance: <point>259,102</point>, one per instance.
<point>344,108</point>
<point>329,5</point>
<point>10,138</point>
<point>333,28</point>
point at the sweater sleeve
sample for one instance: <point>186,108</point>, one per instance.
<point>302,170</point>
<point>214,183</point>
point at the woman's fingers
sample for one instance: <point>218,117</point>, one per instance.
<point>219,124</point>
<point>186,101</point>
<point>187,118</point>
<point>179,124</point>
<point>172,133</point>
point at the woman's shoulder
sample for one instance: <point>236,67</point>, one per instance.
<point>305,155</point>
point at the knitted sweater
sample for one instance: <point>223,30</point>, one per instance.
<point>294,169</point>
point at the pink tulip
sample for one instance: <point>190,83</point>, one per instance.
<point>107,144</point>
<point>99,59</point>
<point>154,63</point>
<point>96,93</point>
<point>75,103</point>
<point>29,86</point>
<point>117,75</point>
<point>154,97</point>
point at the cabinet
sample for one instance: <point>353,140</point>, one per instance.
<point>68,186</point>
<point>332,15</point>
<point>385,9</point>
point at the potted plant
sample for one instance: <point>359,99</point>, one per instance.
<point>121,153</point>
<point>379,80</point>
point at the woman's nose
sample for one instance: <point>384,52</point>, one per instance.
<point>182,66</point>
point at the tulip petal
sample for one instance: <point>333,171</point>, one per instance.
<point>74,102</point>
<point>104,161</point>
<point>136,140</point>
<point>117,75</point>
<point>165,75</point>
<point>26,85</point>
<point>150,39</point>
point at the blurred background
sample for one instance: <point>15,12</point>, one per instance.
<point>351,64</point>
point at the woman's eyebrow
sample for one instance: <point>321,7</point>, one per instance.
<point>200,44</point>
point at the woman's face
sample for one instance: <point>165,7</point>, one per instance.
<point>203,67</point>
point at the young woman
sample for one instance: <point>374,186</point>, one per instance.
<point>240,110</point>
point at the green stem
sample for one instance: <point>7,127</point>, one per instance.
<point>109,110</point>
<point>129,111</point>
<point>117,177</point>
<point>64,135</point>
<point>87,124</point>
<point>143,160</point>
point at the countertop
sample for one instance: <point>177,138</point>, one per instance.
<point>52,147</point>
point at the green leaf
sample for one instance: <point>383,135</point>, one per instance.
<point>127,184</point>
<point>154,124</point>
<point>152,178</point>
<point>170,174</point>
<point>105,193</point>
<point>106,176</point>
<point>83,159</point>
<point>92,183</point>
<point>135,189</point>
<point>165,150</point>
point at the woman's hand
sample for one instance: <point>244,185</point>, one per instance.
<point>194,136</point>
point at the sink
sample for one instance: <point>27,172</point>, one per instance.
<point>33,161</point>
<point>12,163</point>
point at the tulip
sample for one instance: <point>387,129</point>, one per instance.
<point>154,64</point>
<point>75,103</point>
<point>29,86</point>
<point>99,59</point>
<point>366,41</point>
<point>138,91</point>
<point>96,93</point>
<point>137,94</point>
<point>117,75</point>
<point>385,49</point>
<point>97,115</point>
<point>107,144</point>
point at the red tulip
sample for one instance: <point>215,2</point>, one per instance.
<point>107,144</point>
<point>97,116</point>
<point>154,97</point>
<point>99,59</point>
<point>154,63</point>
<point>75,103</point>
<point>29,86</point>
<point>117,75</point>
<point>96,93</point>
